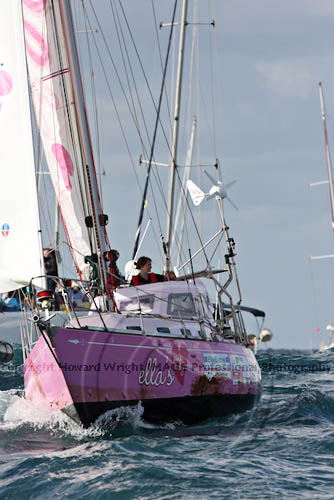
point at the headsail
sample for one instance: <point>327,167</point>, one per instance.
<point>20,246</point>
<point>55,114</point>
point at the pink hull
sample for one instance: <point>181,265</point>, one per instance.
<point>173,378</point>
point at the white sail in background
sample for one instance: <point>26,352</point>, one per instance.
<point>55,114</point>
<point>20,247</point>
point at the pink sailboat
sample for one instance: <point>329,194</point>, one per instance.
<point>161,345</point>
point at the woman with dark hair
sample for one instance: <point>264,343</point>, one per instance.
<point>144,264</point>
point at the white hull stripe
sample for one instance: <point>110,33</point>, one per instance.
<point>76,341</point>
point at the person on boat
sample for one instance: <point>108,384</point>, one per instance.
<point>145,276</point>
<point>114,277</point>
<point>10,302</point>
<point>76,294</point>
<point>51,268</point>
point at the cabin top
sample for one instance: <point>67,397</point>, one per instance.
<point>176,299</point>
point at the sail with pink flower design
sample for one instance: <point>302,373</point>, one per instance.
<point>55,112</point>
<point>20,242</point>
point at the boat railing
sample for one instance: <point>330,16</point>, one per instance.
<point>46,307</point>
<point>239,329</point>
<point>46,304</point>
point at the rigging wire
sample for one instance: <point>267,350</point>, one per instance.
<point>193,219</point>
<point>314,296</point>
<point>178,173</point>
<point>123,91</point>
<point>198,231</point>
<point>213,66</point>
<point>143,71</point>
<point>70,130</point>
<point>169,112</point>
<point>198,114</point>
<point>118,31</point>
<point>141,214</point>
<point>161,62</point>
<point>67,131</point>
<point>189,124</point>
<point>103,68</point>
<point>115,107</point>
<point>115,66</point>
<point>155,171</point>
<point>214,79</point>
<point>134,117</point>
<point>41,178</point>
<point>94,101</point>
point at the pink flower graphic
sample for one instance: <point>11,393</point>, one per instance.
<point>64,162</point>
<point>6,83</point>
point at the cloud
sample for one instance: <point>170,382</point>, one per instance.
<point>289,78</point>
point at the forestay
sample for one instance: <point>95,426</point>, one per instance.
<point>20,246</point>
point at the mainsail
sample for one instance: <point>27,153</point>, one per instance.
<point>53,102</point>
<point>20,245</point>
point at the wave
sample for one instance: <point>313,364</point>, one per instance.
<point>18,415</point>
<point>294,401</point>
<point>16,412</point>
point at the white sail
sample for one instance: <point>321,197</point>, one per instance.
<point>20,247</point>
<point>55,114</point>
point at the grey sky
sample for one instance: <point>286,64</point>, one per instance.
<point>269,58</point>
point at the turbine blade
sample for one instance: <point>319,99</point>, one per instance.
<point>229,184</point>
<point>233,205</point>
<point>210,177</point>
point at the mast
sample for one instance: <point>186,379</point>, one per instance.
<point>97,217</point>
<point>175,135</point>
<point>328,157</point>
<point>183,199</point>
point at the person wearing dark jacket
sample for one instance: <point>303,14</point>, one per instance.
<point>51,268</point>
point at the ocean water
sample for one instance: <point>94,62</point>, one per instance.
<point>283,448</point>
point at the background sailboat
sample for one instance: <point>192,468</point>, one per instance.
<point>324,345</point>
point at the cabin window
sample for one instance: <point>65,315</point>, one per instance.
<point>134,328</point>
<point>135,304</point>
<point>186,332</point>
<point>163,329</point>
<point>181,305</point>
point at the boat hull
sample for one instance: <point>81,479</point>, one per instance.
<point>188,409</point>
<point>87,372</point>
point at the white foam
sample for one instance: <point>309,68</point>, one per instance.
<point>129,414</point>
<point>132,415</point>
<point>18,411</point>
<point>5,399</point>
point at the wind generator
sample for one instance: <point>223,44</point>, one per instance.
<point>218,190</point>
